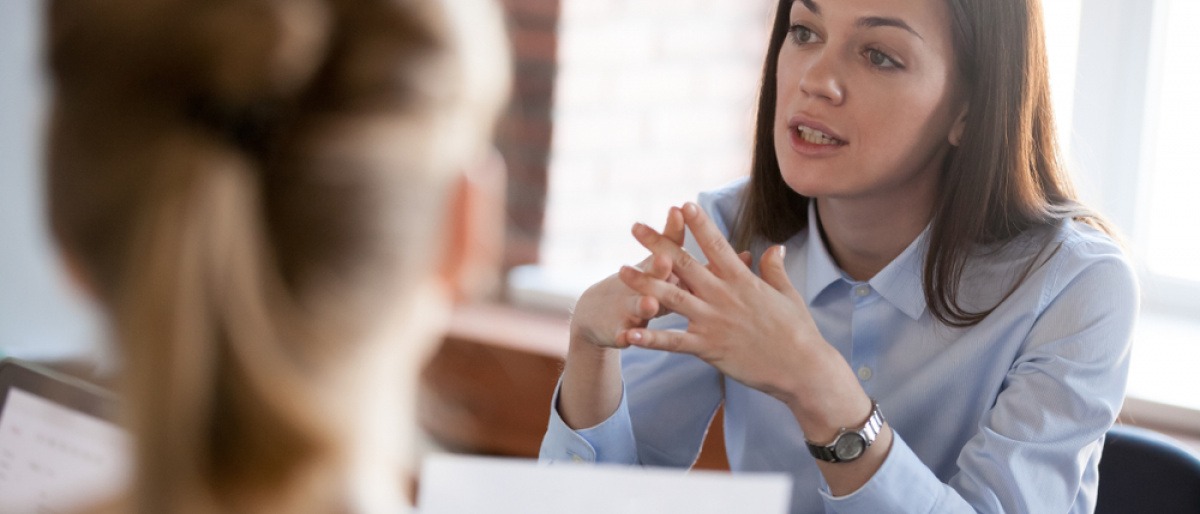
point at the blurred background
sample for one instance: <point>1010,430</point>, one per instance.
<point>623,108</point>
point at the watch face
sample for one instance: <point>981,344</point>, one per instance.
<point>849,446</point>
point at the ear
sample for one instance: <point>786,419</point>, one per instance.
<point>959,126</point>
<point>474,240</point>
<point>76,273</point>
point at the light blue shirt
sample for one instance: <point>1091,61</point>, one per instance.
<point>1008,415</point>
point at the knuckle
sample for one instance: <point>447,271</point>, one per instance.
<point>716,244</point>
<point>670,340</point>
<point>685,260</point>
<point>675,297</point>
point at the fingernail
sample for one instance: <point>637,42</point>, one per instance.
<point>690,209</point>
<point>782,251</point>
<point>635,336</point>
<point>639,228</point>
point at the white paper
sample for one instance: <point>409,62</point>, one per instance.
<point>458,484</point>
<point>54,459</point>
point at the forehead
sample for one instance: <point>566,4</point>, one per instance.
<point>930,18</point>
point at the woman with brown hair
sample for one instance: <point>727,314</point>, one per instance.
<point>275,203</point>
<point>936,323</point>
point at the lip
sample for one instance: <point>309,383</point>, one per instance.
<point>806,148</point>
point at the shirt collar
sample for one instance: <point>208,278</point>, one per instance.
<point>899,282</point>
<point>821,272</point>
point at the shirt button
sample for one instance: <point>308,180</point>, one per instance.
<point>864,373</point>
<point>862,291</point>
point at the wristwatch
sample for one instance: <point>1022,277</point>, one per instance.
<point>850,444</point>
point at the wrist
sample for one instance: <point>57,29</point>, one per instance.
<point>851,442</point>
<point>583,347</point>
<point>830,400</point>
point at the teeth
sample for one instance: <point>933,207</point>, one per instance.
<point>815,136</point>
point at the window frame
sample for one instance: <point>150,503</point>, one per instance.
<point>1115,81</point>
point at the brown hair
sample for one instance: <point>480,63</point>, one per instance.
<point>1004,178</point>
<point>250,186</point>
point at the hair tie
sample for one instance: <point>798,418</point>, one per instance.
<point>248,127</point>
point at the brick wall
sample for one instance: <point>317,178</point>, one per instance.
<point>623,108</point>
<point>525,131</point>
<point>654,103</point>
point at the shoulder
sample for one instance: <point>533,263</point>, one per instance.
<point>1081,250</point>
<point>1087,259</point>
<point>1067,261</point>
<point>724,203</point>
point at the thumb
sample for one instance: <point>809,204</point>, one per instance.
<point>773,271</point>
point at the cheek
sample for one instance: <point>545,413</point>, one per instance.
<point>917,115</point>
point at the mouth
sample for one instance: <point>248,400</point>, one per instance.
<point>817,137</point>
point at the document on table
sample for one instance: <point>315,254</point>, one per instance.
<point>456,484</point>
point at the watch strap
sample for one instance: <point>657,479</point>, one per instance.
<point>868,432</point>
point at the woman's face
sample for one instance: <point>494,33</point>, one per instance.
<point>868,97</point>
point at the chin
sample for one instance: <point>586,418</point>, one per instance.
<point>808,184</point>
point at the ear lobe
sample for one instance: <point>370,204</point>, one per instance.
<point>474,239</point>
<point>956,130</point>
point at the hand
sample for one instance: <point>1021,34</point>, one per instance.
<point>757,331</point>
<point>609,308</point>
<point>760,333</point>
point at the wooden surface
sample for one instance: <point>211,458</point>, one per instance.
<point>488,388</point>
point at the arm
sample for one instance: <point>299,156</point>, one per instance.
<point>1040,443</point>
<point>589,419</point>
<point>1037,446</point>
<point>607,395</point>
<point>759,332</point>
<point>591,386</point>
<point>665,406</point>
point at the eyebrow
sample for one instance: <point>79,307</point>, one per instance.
<point>878,21</point>
<point>867,22</point>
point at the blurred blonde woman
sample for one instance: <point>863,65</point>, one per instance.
<point>275,202</point>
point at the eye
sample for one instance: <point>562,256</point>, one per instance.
<point>802,35</point>
<point>881,60</point>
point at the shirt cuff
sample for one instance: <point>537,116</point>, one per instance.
<point>902,480</point>
<point>609,442</point>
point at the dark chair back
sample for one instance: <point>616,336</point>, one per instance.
<point>1144,471</point>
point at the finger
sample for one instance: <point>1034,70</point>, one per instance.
<point>745,257</point>
<point>675,228</point>
<point>668,296</point>
<point>660,267</point>
<point>774,272</point>
<point>644,308</point>
<point>665,340</point>
<point>720,254</point>
<point>683,265</point>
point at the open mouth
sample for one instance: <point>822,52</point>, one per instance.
<point>816,137</point>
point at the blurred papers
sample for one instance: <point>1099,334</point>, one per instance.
<point>457,484</point>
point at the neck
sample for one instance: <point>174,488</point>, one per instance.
<point>380,446</point>
<point>864,235</point>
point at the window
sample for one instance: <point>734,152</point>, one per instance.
<point>1170,223</point>
<point>1134,144</point>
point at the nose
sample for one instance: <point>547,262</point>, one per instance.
<point>821,78</point>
